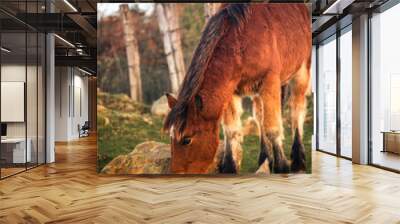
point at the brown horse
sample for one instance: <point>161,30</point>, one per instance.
<point>245,49</point>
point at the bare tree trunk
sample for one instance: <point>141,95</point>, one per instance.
<point>210,9</point>
<point>132,53</point>
<point>168,21</point>
<point>175,32</point>
<point>119,64</point>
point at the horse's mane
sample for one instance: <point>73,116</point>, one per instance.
<point>228,15</point>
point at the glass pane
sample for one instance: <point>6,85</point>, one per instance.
<point>327,96</point>
<point>386,89</point>
<point>346,94</point>
<point>31,97</point>
<point>23,89</point>
<point>41,99</point>
<point>13,86</point>
<point>32,88</point>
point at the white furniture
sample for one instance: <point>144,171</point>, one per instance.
<point>18,149</point>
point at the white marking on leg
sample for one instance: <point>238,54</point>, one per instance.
<point>232,125</point>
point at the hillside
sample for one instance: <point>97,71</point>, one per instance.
<point>122,124</point>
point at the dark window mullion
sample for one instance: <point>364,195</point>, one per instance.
<point>317,95</point>
<point>338,76</point>
<point>37,90</point>
<point>0,94</point>
<point>46,3</point>
<point>369,79</point>
<point>26,87</point>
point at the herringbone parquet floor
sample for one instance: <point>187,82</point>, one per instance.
<point>70,191</point>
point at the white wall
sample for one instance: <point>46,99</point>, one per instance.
<point>80,110</point>
<point>62,80</point>
<point>71,102</point>
<point>12,73</point>
<point>16,73</point>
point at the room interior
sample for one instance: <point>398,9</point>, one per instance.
<point>25,68</point>
<point>22,105</point>
<point>48,92</point>
<point>335,72</point>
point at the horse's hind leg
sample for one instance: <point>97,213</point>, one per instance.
<point>266,154</point>
<point>298,105</point>
<point>233,137</point>
<point>272,121</point>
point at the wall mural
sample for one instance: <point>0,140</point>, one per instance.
<point>190,88</point>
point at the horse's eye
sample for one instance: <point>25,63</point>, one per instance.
<point>186,141</point>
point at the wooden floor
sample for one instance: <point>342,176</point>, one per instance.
<point>5,172</point>
<point>70,191</point>
<point>9,171</point>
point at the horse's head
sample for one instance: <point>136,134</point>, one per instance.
<point>194,140</point>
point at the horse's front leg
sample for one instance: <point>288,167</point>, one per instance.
<point>233,137</point>
<point>272,122</point>
<point>298,105</point>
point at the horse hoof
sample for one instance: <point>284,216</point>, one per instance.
<point>298,157</point>
<point>227,169</point>
<point>298,166</point>
<point>282,167</point>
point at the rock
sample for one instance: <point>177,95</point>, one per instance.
<point>147,119</point>
<point>101,108</point>
<point>160,107</point>
<point>147,158</point>
<point>250,127</point>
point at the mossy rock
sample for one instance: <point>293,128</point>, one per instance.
<point>147,158</point>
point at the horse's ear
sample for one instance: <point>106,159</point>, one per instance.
<point>199,102</point>
<point>171,100</point>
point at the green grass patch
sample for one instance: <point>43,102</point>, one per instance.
<point>122,124</point>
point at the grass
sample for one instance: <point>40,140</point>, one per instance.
<point>122,124</point>
<point>121,127</point>
<point>251,145</point>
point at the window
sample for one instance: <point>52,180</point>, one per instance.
<point>385,88</point>
<point>22,88</point>
<point>327,95</point>
<point>346,95</point>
